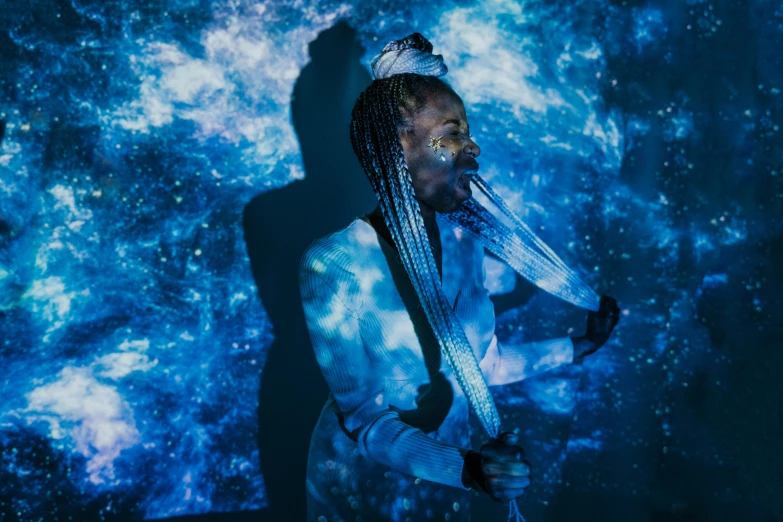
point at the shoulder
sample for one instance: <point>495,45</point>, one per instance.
<point>325,254</point>
<point>334,260</point>
<point>336,250</point>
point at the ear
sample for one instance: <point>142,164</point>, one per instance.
<point>407,138</point>
<point>406,127</point>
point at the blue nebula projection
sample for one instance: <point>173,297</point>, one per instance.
<point>642,142</point>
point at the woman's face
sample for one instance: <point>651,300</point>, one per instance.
<point>438,168</point>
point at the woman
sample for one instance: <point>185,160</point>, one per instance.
<point>400,321</point>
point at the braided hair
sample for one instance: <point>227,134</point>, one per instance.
<point>405,78</point>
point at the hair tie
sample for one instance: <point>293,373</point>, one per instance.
<point>412,54</point>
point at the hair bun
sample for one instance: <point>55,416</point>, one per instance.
<point>412,54</point>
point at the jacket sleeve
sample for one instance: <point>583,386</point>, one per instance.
<point>506,363</point>
<point>330,298</point>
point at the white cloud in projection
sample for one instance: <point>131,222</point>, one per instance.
<point>92,415</point>
<point>131,334</point>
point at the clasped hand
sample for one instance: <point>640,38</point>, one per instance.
<point>503,473</point>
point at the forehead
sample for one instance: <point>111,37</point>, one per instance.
<point>439,108</point>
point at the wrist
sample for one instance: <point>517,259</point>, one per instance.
<point>471,471</point>
<point>583,347</point>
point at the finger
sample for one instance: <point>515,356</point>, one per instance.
<point>502,472</point>
<point>507,495</point>
<point>516,483</point>
<point>511,494</point>
<point>509,438</point>
<point>500,468</point>
<point>501,483</point>
<point>509,453</point>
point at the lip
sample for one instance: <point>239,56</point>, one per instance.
<point>473,167</point>
<point>466,175</point>
<point>464,183</point>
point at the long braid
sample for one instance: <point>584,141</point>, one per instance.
<point>461,349</point>
<point>405,230</point>
<point>382,152</point>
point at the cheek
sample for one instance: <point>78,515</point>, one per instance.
<point>433,179</point>
<point>438,163</point>
<point>423,166</point>
<point>441,187</point>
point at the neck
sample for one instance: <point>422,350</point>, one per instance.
<point>430,223</point>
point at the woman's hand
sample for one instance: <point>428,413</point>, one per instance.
<point>599,326</point>
<point>499,469</point>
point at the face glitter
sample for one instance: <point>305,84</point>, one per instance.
<point>435,144</point>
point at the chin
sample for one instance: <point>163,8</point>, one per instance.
<point>457,205</point>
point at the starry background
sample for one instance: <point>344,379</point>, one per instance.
<point>641,139</point>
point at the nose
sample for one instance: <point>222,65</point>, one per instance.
<point>471,149</point>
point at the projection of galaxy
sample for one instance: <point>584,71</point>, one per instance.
<point>641,140</point>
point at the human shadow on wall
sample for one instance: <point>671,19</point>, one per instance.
<point>279,225</point>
